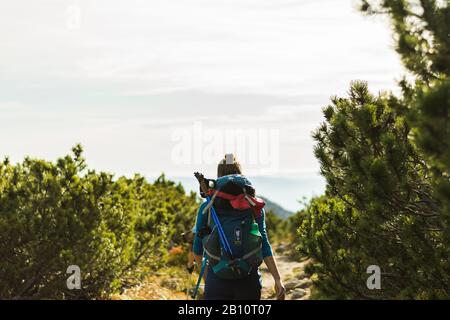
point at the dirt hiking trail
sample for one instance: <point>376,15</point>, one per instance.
<point>165,286</point>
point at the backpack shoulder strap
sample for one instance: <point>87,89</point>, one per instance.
<point>210,204</point>
<point>209,217</point>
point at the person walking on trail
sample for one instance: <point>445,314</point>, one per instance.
<point>231,239</point>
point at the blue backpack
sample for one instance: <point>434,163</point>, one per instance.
<point>233,246</point>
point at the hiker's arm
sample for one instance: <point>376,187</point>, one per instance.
<point>198,261</point>
<point>197,247</point>
<point>266,247</point>
<point>191,261</point>
<point>273,269</point>
<point>268,257</point>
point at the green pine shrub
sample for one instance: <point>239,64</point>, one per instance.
<point>386,162</point>
<point>53,215</point>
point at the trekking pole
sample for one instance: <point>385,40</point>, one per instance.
<point>222,236</point>
<point>200,277</point>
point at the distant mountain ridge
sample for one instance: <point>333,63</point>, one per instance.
<point>276,208</point>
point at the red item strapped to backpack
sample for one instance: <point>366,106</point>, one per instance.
<point>243,202</point>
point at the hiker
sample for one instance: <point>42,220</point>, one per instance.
<point>233,275</point>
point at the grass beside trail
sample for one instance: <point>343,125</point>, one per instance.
<point>170,283</point>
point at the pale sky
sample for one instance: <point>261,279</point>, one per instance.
<point>125,77</point>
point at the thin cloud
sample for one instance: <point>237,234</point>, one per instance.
<point>136,70</point>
